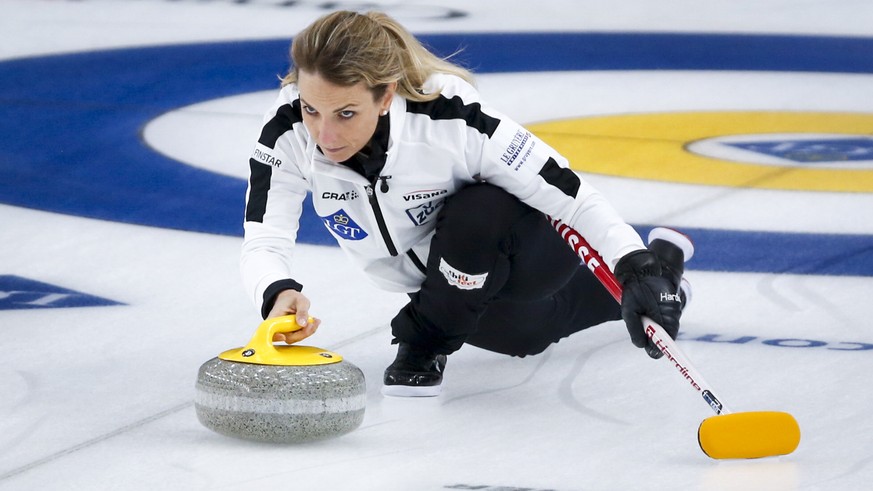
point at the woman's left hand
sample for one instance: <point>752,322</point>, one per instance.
<point>296,336</point>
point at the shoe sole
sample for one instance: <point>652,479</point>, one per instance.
<point>411,391</point>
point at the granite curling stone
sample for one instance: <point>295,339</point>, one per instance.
<point>280,394</point>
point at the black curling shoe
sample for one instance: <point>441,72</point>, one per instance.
<point>414,373</point>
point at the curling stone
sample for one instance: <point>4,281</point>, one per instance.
<point>280,394</point>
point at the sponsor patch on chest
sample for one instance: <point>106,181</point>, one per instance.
<point>424,194</point>
<point>346,196</point>
<point>342,225</point>
<point>424,212</point>
<point>460,279</point>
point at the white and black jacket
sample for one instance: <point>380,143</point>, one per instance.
<point>422,153</point>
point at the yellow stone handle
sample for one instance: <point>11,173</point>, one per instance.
<point>261,350</point>
<point>263,337</point>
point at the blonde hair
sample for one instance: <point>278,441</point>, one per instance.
<point>346,48</point>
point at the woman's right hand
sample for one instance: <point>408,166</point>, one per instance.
<point>292,302</point>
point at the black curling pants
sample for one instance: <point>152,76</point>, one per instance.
<point>501,278</point>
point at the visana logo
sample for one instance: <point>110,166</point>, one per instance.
<point>424,194</point>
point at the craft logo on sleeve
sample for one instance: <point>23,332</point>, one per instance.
<point>460,279</point>
<point>342,225</point>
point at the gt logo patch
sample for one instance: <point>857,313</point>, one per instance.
<point>340,224</point>
<point>422,213</point>
<point>464,281</point>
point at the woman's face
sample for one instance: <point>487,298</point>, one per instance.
<point>340,119</point>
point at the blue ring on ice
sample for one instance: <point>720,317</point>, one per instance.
<point>70,137</point>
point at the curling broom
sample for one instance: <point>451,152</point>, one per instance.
<point>728,435</point>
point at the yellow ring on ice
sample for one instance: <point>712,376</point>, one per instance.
<point>654,146</point>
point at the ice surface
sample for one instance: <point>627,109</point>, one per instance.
<point>101,397</point>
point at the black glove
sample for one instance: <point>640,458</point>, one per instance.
<point>646,292</point>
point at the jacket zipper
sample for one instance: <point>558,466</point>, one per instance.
<point>377,211</point>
